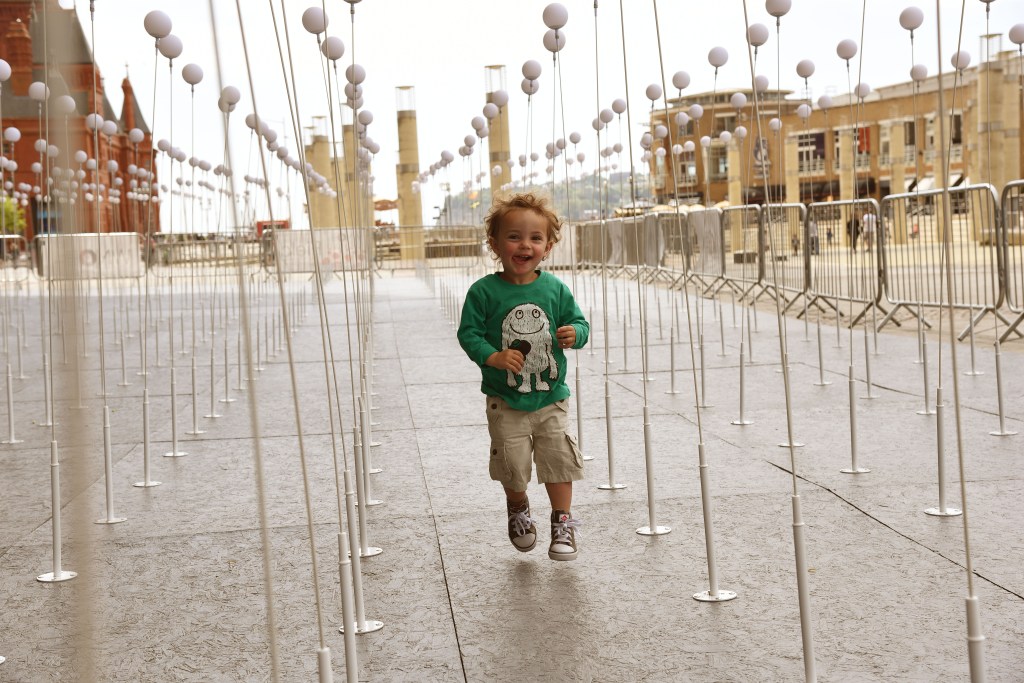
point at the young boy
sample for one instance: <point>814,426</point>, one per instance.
<point>516,324</point>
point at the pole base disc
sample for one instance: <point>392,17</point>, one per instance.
<point>370,626</point>
<point>974,373</point>
<point>213,416</point>
<point>870,397</point>
<point>721,596</point>
<point>1003,433</point>
<point>795,444</point>
<point>370,551</point>
<point>50,577</point>
<point>375,470</point>
<point>112,520</point>
<point>587,458</point>
<point>858,470</point>
<point>611,487</point>
<point>196,432</point>
<point>741,423</point>
<point>174,454</point>
<point>12,441</point>
<point>227,400</point>
<point>672,392</point>
<point>947,512</point>
<point>822,384</point>
<point>656,531</point>
<point>145,484</point>
<point>926,412</point>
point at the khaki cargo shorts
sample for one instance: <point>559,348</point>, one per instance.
<point>519,438</point>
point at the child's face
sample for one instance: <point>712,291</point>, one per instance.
<point>521,243</point>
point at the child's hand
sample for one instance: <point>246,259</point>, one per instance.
<point>508,359</point>
<point>566,336</point>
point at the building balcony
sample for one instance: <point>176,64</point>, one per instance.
<point>812,166</point>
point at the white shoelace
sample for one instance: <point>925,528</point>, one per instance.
<point>521,522</point>
<point>560,531</point>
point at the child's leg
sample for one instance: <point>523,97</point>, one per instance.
<point>560,495</point>
<point>515,496</point>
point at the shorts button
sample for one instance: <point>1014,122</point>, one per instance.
<point>494,406</point>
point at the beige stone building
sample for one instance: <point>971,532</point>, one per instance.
<point>896,147</point>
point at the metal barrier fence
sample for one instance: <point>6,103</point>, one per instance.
<point>913,255</point>
<point>782,233</point>
<point>1012,242</point>
<point>844,266</point>
<point>460,246</point>
<point>87,256</point>
<point>741,227</point>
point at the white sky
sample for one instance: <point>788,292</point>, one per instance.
<point>441,48</point>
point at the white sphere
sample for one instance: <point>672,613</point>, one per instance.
<point>163,145</point>
<point>5,70</point>
<point>560,143</point>
<point>554,40</point>
<point>580,157</point>
<point>804,112</point>
<point>490,110</point>
<point>718,56</point>
<point>761,82</point>
<point>81,156</point>
<point>846,49</point>
<point>738,100</point>
<point>677,149</point>
<point>529,87</point>
<point>135,136</point>
<point>682,118</point>
<point>618,105</point>
<point>660,132</point>
<point>757,34</point>
<point>90,164</point>
<point>332,48</point>
<point>960,60</point>
<point>170,46</point>
<point>52,151</point>
<point>654,92</point>
<point>93,121</point>
<point>862,90</point>
<point>355,74</point>
<point>775,124</point>
<point>778,8</point>
<point>824,102</point>
<point>1017,34</point>
<point>574,138</point>
<point>12,134</point>
<point>469,140</point>
<point>499,98</point>
<point>447,156</point>
<point>740,132</point>
<point>805,68</point>
<point>531,69</point>
<point>39,145</point>
<point>725,136</point>
<point>696,111</point>
<point>911,18</point>
<point>353,91</point>
<point>483,132</point>
<point>38,91</point>
<point>230,94</point>
<point>617,148</point>
<point>366,117</point>
<point>314,20</point>
<point>477,122</point>
<point>192,74</point>
<point>63,105</point>
<point>597,124</point>
<point>534,156</point>
<point>157,24</point>
<point>109,128</point>
<point>680,80</point>
<point>660,152</point>
<point>688,146</point>
<point>112,166</point>
<point>555,16</point>
<point>606,115</point>
<point>705,141</point>
<point>646,156</point>
<point>496,171</point>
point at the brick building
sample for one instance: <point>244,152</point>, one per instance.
<point>44,43</point>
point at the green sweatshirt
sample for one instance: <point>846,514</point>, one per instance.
<point>498,315</point>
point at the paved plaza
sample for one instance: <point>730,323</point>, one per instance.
<point>177,592</point>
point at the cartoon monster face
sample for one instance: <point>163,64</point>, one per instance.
<point>527,319</point>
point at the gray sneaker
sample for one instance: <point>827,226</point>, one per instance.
<point>521,529</point>
<point>563,536</point>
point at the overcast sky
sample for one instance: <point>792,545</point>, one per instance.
<point>441,48</point>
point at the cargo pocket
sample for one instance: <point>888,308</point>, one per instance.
<point>577,455</point>
<point>498,466</point>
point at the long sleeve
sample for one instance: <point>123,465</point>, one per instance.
<point>572,315</point>
<point>473,325</point>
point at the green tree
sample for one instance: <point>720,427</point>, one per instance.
<point>13,217</point>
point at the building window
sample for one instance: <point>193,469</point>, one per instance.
<point>725,123</point>
<point>719,162</point>
<point>811,152</point>
<point>956,129</point>
<point>910,133</point>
